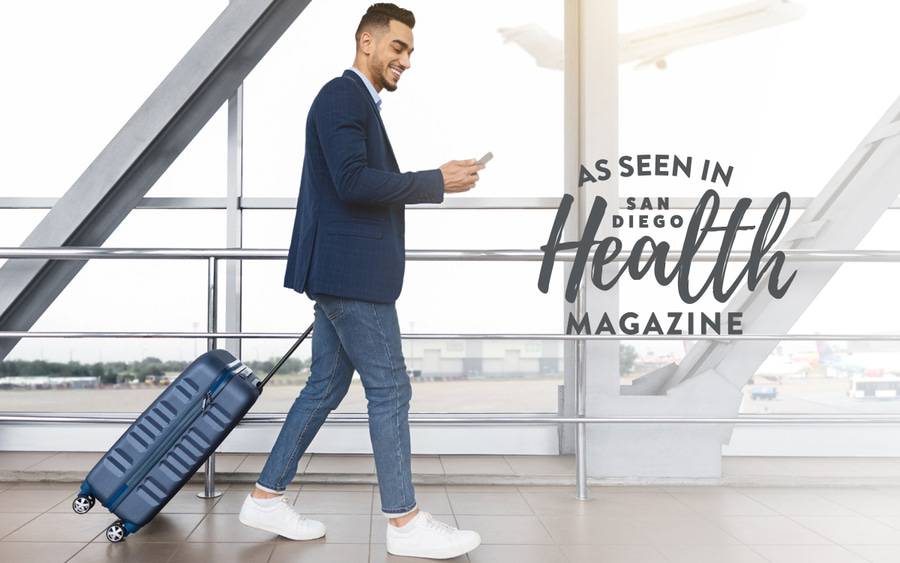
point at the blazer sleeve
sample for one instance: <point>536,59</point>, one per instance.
<point>340,120</point>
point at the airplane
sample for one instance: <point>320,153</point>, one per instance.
<point>855,364</point>
<point>779,366</point>
<point>653,45</point>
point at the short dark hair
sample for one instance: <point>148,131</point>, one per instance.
<point>381,14</point>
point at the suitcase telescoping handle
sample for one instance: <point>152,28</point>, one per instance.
<point>284,358</point>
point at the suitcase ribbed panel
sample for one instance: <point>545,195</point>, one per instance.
<point>118,461</point>
<point>169,442</point>
<point>153,430</point>
<point>189,452</point>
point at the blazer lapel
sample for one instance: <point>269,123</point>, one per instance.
<point>384,134</point>
<point>359,84</point>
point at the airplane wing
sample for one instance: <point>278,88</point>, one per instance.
<point>546,49</point>
<point>652,46</point>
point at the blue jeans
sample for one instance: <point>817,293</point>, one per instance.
<point>349,334</point>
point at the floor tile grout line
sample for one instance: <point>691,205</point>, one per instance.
<point>818,496</point>
<point>42,460</point>
<point>708,519</point>
<point>2,538</point>
<point>791,518</point>
<point>546,529</point>
<point>305,466</point>
<point>194,529</point>
<point>533,510</point>
<point>272,552</point>
<point>858,554</point>
<point>751,548</point>
<point>830,541</point>
<point>36,517</point>
<point>450,504</point>
<point>880,521</point>
<point>82,548</point>
<point>174,551</point>
<point>700,514</point>
<point>842,505</point>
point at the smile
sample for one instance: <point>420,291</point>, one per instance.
<point>397,72</point>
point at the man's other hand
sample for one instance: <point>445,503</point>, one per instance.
<point>460,175</point>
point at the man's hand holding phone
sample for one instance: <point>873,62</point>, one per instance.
<point>461,175</point>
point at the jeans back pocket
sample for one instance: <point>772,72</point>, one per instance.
<point>331,305</point>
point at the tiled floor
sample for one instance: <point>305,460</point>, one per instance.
<point>752,520</point>
<point>539,524</point>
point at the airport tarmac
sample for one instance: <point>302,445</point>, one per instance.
<point>802,396</point>
<point>525,395</point>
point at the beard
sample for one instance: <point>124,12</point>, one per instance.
<point>384,74</point>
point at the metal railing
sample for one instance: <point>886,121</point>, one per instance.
<point>273,203</point>
<point>483,418</point>
<point>477,255</point>
<point>212,256</point>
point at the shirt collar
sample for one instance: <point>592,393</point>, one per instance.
<point>375,97</point>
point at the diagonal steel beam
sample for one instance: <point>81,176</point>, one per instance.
<point>120,176</point>
<point>839,217</point>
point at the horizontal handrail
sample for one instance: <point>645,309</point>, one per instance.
<point>467,336</point>
<point>488,255</point>
<point>212,255</point>
<point>290,203</point>
<point>271,203</point>
<point>480,418</point>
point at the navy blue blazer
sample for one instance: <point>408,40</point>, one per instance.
<point>348,236</point>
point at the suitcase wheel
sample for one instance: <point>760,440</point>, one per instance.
<point>116,532</point>
<point>82,504</point>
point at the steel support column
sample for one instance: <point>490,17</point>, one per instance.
<point>234,218</point>
<point>591,132</point>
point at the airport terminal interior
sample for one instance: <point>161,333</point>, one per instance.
<point>148,207</point>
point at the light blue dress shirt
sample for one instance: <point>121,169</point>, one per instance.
<point>375,97</point>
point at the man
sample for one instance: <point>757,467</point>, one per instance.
<point>347,254</point>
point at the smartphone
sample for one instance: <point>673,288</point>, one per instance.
<point>486,158</point>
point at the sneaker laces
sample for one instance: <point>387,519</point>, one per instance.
<point>439,526</point>
<point>296,517</point>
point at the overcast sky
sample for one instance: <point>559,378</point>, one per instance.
<point>785,106</point>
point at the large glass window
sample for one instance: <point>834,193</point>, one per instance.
<point>516,113</point>
<point>455,103</point>
<point>75,72</point>
<point>785,104</point>
<point>121,295</point>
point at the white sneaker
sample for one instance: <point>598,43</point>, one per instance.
<point>423,536</point>
<point>280,518</point>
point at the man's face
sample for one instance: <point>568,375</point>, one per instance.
<point>391,48</point>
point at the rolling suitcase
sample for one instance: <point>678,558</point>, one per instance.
<point>170,440</point>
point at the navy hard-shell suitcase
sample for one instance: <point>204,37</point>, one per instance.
<point>169,442</point>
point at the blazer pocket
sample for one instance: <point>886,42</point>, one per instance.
<point>366,229</point>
